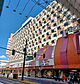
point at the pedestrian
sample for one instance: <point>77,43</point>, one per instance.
<point>7,75</point>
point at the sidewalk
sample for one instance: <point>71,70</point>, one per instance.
<point>22,81</point>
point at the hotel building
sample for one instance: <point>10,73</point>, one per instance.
<point>41,31</point>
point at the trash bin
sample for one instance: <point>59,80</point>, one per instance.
<point>15,76</point>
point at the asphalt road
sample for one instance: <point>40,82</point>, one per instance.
<point>8,81</point>
<point>44,81</point>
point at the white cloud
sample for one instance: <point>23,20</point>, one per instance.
<point>3,56</point>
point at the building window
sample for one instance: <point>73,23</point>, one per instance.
<point>36,43</point>
<point>55,35</point>
<point>49,37</point>
<point>43,27</point>
<point>44,30</point>
<point>40,41</point>
<point>39,38</point>
<point>32,44</point>
<point>53,6</point>
<point>35,40</point>
<point>47,33</point>
<point>42,45</point>
<point>42,36</point>
<point>52,20</point>
<point>34,48</point>
<point>49,27</point>
<point>40,15</point>
<point>61,20</point>
<point>52,12</point>
<point>36,24</point>
<point>40,32</point>
<point>58,28</point>
<point>47,43</point>
<point>66,24</point>
<point>58,17</point>
<point>52,30</point>
<point>44,22</point>
<point>65,13</point>
<point>44,39</point>
<point>54,24</point>
<point>68,17</point>
<point>60,10</point>
<point>43,19</point>
<point>52,41</point>
<point>61,32</point>
<point>36,34</point>
<point>47,24</point>
<point>47,15</point>
<point>58,7</point>
<point>35,31</point>
<point>49,18</point>
<point>38,46</point>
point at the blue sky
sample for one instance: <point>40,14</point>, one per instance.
<point>11,21</point>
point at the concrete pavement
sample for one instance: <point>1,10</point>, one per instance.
<point>8,81</point>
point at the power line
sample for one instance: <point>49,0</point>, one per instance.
<point>39,4</point>
<point>24,7</point>
<point>8,4</point>
<point>32,8</point>
<point>48,1</point>
<point>17,6</point>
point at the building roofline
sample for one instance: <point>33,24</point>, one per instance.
<point>24,24</point>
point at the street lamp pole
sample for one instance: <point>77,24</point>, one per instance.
<point>25,53</point>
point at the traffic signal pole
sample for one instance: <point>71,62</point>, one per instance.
<point>25,53</point>
<point>23,67</point>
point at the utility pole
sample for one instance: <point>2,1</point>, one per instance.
<point>25,53</point>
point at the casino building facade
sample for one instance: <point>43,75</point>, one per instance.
<point>41,34</point>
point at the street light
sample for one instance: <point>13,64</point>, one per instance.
<point>25,53</point>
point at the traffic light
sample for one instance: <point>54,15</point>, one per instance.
<point>43,55</point>
<point>24,50</point>
<point>35,55</point>
<point>13,52</point>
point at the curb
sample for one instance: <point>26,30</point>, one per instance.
<point>28,82</point>
<point>22,81</point>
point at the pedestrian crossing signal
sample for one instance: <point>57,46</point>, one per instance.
<point>13,52</point>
